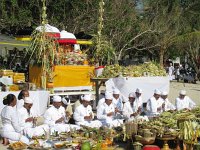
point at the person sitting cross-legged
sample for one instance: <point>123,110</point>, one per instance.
<point>83,114</point>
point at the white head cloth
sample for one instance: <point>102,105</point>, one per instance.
<point>132,95</point>
<point>87,97</point>
<point>164,93</point>
<point>57,98</point>
<point>116,91</point>
<point>28,100</point>
<point>138,90</point>
<point>64,101</point>
<point>182,92</point>
<point>108,95</point>
<point>156,91</point>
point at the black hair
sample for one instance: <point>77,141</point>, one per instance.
<point>21,94</point>
<point>9,99</point>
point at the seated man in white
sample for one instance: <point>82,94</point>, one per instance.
<point>132,108</point>
<point>106,113</point>
<point>83,114</point>
<point>102,100</point>
<point>155,104</point>
<point>138,96</point>
<point>27,120</point>
<point>183,102</point>
<point>55,117</point>
<point>168,106</point>
<point>117,101</point>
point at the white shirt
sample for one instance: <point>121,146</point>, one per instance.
<point>118,103</point>
<point>23,115</point>
<point>52,114</point>
<point>139,102</point>
<point>81,112</point>
<point>100,102</point>
<point>128,110</point>
<point>9,117</point>
<point>184,103</point>
<point>168,105</point>
<point>153,105</point>
<point>20,103</point>
<point>171,70</point>
<point>103,110</point>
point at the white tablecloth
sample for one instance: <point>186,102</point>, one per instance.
<point>127,85</point>
<point>40,100</point>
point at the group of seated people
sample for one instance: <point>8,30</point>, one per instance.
<point>18,118</point>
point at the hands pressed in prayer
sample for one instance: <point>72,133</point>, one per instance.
<point>88,118</point>
<point>159,108</point>
<point>139,111</point>
<point>134,114</point>
<point>60,120</point>
<point>163,106</point>
<point>29,119</point>
<point>110,114</point>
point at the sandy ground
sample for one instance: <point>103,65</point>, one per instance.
<point>193,91</point>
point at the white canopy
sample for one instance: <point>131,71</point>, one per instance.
<point>48,28</point>
<point>66,35</point>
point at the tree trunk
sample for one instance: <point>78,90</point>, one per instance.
<point>161,56</point>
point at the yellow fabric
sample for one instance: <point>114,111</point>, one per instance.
<point>64,75</point>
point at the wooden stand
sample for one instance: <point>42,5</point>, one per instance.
<point>98,82</point>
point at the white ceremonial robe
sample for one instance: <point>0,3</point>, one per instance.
<point>81,112</point>
<point>129,109</point>
<point>100,102</point>
<point>170,72</point>
<point>184,103</point>
<point>27,127</point>
<point>168,105</point>
<point>52,114</point>
<point>153,105</point>
<point>20,103</point>
<point>118,103</point>
<point>109,121</point>
<point>10,125</point>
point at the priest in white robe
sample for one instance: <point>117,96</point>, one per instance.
<point>155,104</point>
<point>132,108</point>
<point>184,102</point>
<point>117,101</point>
<point>106,113</point>
<point>55,117</point>
<point>168,106</point>
<point>84,115</point>
<point>28,120</point>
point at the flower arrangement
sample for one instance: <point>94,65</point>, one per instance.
<point>75,58</point>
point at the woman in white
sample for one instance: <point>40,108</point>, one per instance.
<point>28,120</point>
<point>11,128</point>
<point>55,117</point>
<point>106,113</point>
<point>183,102</point>
<point>168,106</point>
<point>83,114</point>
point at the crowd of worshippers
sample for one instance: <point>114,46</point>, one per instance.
<point>18,118</point>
